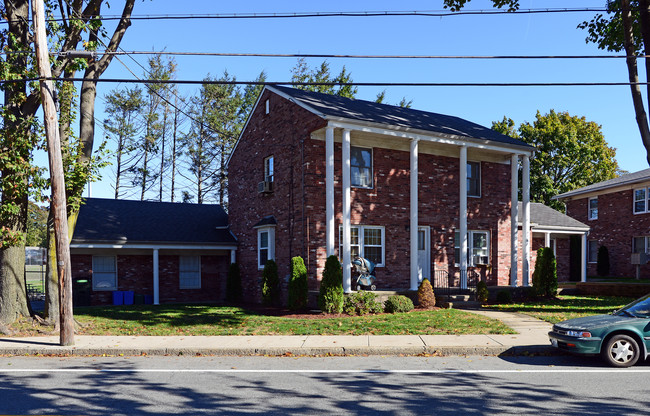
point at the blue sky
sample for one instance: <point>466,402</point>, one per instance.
<point>506,34</point>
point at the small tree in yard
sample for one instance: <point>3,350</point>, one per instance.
<point>298,289</point>
<point>331,295</point>
<point>545,274</point>
<point>426,297</point>
<point>233,284</point>
<point>602,267</point>
<point>270,284</point>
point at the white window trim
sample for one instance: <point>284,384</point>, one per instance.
<point>645,201</point>
<point>372,168</point>
<point>271,242</point>
<point>646,242</point>
<point>180,279</point>
<point>361,243</point>
<point>589,210</point>
<point>104,289</point>
<point>480,177</point>
<point>470,257</point>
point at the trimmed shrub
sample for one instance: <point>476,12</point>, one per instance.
<point>233,284</point>
<point>330,298</point>
<point>398,303</point>
<point>426,297</point>
<point>298,290</point>
<point>482,293</point>
<point>602,267</point>
<point>361,303</point>
<point>504,296</point>
<point>545,274</point>
<point>270,284</point>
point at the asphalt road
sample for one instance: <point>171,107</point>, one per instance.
<point>333,385</point>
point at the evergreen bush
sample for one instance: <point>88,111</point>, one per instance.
<point>233,284</point>
<point>426,297</point>
<point>398,303</point>
<point>298,289</point>
<point>270,284</point>
<point>545,274</point>
<point>330,298</point>
<point>602,267</point>
<point>504,296</point>
<point>362,303</point>
<point>482,293</point>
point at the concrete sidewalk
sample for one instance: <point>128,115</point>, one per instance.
<point>531,338</point>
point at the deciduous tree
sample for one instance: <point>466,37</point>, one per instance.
<point>571,152</point>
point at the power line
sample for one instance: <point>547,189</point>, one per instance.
<point>356,84</point>
<point>291,15</point>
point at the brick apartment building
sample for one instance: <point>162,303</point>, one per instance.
<point>618,213</point>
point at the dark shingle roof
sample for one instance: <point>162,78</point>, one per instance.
<point>368,111</point>
<point>133,222</point>
<point>546,217</point>
<point>630,178</point>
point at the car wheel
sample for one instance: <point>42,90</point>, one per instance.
<point>621,351</point>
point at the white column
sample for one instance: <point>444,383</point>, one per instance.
<point>514,217</point>
<point>329,190</point>
<point>347,252</point>
<point>233,256</point>
<point>156,278</point>
<point>583,258</point>
<point>525,200</point>
<point>414,215</point>
<point>463,217</point>
<point>547,239</point>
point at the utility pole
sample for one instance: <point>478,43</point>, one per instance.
<point>58,200</point>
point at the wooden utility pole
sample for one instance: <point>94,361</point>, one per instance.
<point>58,200</point>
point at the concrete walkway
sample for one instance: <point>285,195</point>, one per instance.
<point>531,338</point>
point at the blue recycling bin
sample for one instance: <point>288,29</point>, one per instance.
<point>128,297</point>
<point>118,297</point>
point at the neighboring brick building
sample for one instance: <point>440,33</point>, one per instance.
<point>170,252</point>
<point>289,195</point>
<point>618,212</point>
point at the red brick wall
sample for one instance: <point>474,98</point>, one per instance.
<point>615,227</point>
<point>299,200</point>
<point>135,273</point>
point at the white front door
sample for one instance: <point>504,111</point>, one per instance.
<point>424,253</point>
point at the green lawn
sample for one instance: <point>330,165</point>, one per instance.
<point>218,320</point>
<point>566,307</point>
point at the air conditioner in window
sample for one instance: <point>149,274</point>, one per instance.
<point>265,187</point>
<point>639,258</point>
<point>481,260</point>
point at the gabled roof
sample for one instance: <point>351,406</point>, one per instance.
<point>628,179</point>
<point>542,216</point>
<point>112,221</point>
<point>342,108</point>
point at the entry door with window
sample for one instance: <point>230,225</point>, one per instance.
<point>424,253</point>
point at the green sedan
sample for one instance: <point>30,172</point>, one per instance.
<point>620,338</point>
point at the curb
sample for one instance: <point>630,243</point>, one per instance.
<point>279,351</point>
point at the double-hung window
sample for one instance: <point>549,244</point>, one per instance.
<point>104,273</point>
<point>268,169</point>
<point>361,167</point>
<point>478,248</point>
<point>593,208</point>
<point>592,251</point>
<point>641,200</point>
<point>367,242</point>
<point>474,179</point>
<point>641,244</point>
<point>189,272</point>
<point>265,245</point>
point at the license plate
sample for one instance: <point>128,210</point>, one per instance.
<point>554,342</point>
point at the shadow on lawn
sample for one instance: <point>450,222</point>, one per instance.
<point>171,315</point>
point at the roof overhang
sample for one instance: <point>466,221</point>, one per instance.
<point>152,246</point>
